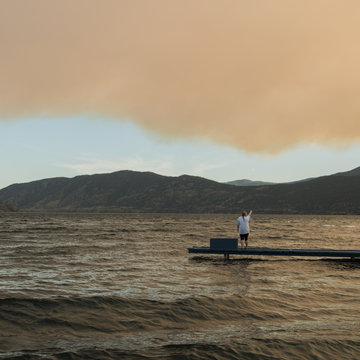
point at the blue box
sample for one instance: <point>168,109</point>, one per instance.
<point>224,244</point>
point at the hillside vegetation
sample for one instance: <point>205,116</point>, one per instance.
<point>129,191</point>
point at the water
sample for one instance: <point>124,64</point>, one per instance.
<point>75,286</point>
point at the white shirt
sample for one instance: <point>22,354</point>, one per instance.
<point>243,224</point>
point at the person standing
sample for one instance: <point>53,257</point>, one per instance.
<point>243,228</point>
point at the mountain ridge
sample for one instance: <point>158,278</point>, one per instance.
<point>247,182</point>
<point>131,191</point>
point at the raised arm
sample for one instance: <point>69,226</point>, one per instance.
<point>250,213</point>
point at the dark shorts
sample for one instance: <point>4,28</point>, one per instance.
<point>244,236</point>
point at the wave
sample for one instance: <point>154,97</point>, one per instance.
<point>46,228</point>
<point>113,327</point>
<point>255,349</point>
<point>115,314</point>
<point>109,313</point>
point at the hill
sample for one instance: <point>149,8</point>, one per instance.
<point>123,191</point>
<point>129,191</point>
<point>353,172</point>
<point>8,208</point>
<point>246,182</point>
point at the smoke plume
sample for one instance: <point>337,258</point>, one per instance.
<point>259,75</point>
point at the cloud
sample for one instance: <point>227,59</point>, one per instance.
<point>258,75</point>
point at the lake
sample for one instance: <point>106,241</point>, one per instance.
<point>122,286</point>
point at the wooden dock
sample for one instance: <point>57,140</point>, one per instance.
<point>228,246</point>
<point>278,252</point>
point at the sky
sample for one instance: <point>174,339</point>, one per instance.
<point>227,90</point>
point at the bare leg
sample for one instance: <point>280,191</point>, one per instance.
<point>242,243</point>
<point>246,244</point>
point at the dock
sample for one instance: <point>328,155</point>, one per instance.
<point>229,246</point>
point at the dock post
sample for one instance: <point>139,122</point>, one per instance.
<point>226,257</point>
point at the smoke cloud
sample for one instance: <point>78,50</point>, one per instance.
<point>259,75</point>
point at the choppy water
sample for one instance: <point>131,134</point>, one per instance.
<point>124,287</point>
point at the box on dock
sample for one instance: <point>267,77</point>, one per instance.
<point>224,244</point>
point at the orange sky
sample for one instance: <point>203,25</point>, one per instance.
<point>259,75</point>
